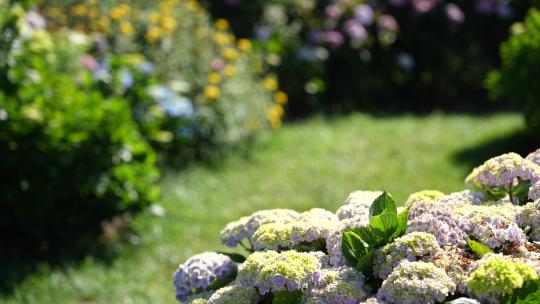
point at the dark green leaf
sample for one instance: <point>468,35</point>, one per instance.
<point>529,293</point>
<point>238,258</point>
<point>287,297</point>
<point>365,262</point>
<point>382,203</point>
<point>478,247</point>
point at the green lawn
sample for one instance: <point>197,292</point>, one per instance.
<point>310,164</point>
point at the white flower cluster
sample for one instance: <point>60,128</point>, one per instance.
<point>416,283</point>
<point>534,157</point>
<point>311,226</point>
<point>200,271</point>
<point>529,220</point>
<point>357,204</point>
<point>475,245</point>
<point>410,247</point>
<point>342,285</point>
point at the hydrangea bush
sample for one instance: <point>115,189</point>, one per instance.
<point>464,247</point>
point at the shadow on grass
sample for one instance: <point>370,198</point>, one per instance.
<point>519,141</point>
<point>21,257</point>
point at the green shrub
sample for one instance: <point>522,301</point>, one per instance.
<point>70,157</point>
<point>195,65</point>
<point>517,80</point>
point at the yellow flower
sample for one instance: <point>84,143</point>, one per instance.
<point>222,24</point>
<point>244,44</point>
<point>154,17</point>
<point>153,34</point>
<point>79,10</point>
<point>104,23</point>
<point>222,38</point>
<point>93,13</point>
<point>274,115</point>
<point>168,23</point>
<point>120,11</point>
<point>270,83</point>
<point>126,28</point>
<point>212,92</point>
<point>281,98</point>
<point>229,70</point>
<point>214,78</point>
<point>230,54</point>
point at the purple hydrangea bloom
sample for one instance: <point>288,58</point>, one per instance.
<point>364,14</point>
<point>355,30</point>
<point>454,13</point>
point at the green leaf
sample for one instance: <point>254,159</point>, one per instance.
<point>369,236</point>
<point>386,222</point>
<point>402,220</point>
<point>478,247</point>
<point>238,258</point>
<point>529,293</point>
<point>382,203</point>
<point>365,262</point>
<point>287,297</point>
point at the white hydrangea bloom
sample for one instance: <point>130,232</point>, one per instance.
<point>357,204</point>
<point>342,285</point>
<point>529,218</point>
<point>410,247</point>
<point>416,283</point>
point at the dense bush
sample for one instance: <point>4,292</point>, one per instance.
<point>474,246</point>
<point>194,88</point>
<point>340,55</point>
<point>520,70</point>
<point>70,156</point>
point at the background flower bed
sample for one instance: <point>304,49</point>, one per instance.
<point>377,55</point>
<point>95,96</point>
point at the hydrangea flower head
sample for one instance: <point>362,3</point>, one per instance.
<point>494,225</point>
<point>333,242</point>
<point>439,219</point>
<point>426,195</point>
<point>342,285</point>
<point>200,271</point>
<point>416,283</point>
<point>529,218</point>
<point>273,271</point>
<point>234,294</point>
<point>313,225</point>
<point>410,247</point>
<point>503,172</point>
<point>244,228</point>
<point>357,204</point>
<point>497,276</point>
<point>534,157</point>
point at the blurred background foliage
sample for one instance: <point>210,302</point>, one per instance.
<point>100,99</point>
<point>377,55</point>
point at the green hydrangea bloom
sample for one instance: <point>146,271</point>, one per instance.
<point>426,195</point>
<point>273,271</point>
<point>497,276</point>
<point>234,294</point>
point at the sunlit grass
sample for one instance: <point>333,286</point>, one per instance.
<point>311,164</point>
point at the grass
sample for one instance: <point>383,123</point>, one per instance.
<point>312,164</point>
